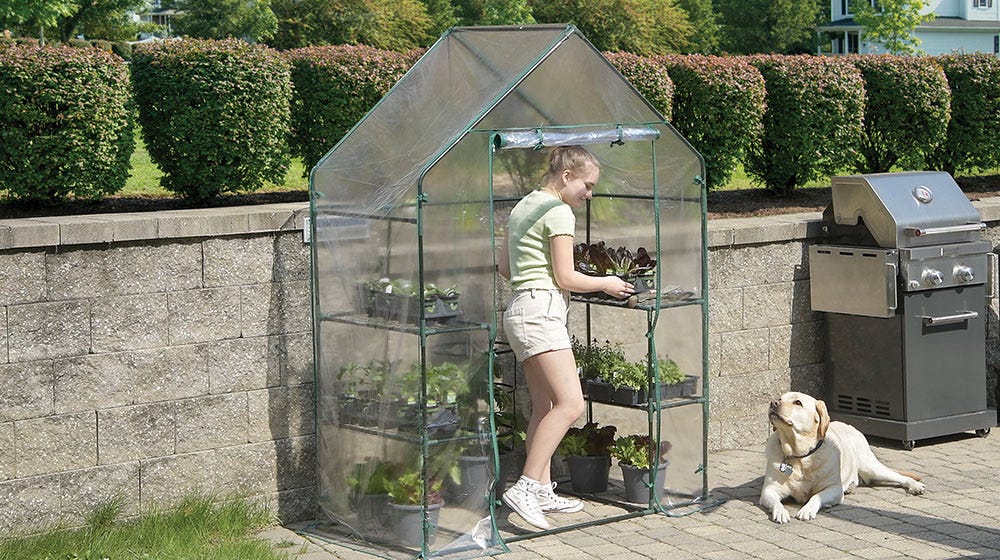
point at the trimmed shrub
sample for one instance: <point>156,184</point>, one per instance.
<point>648,78</point>
<point>214,114</point>
<point>812,125</point>
<point>974,128</point>
<point>907,103</point>
<point>335,87</point>
<point>123,50</point>
<point>719,107</point>
<point>66,123</point>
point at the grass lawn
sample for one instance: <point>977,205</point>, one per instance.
<point>144,177</point>
<point>198,528</point>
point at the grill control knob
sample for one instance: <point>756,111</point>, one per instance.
<point>964,273</point>
<point>932,277</point>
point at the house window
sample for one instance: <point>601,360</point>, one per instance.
<point>996,44</point>
<point>852,43</point>
<point>843,7</point>
<point>982,3</point>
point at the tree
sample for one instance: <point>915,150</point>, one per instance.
<point>442,15</point>
<point>892,23</point>
<point>105,19</point>
<point>506,12</point>
<point>34,14</point>
<point>768,26</point>
<point>398,25</point>
<point>705,36</point>
<point>642,27</point>
<point>251,20</point>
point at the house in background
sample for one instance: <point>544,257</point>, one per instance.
<point>963,26</point>
<point>160,16</point>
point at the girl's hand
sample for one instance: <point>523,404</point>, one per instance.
<point>617,288</point>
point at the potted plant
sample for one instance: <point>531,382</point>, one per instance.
<point>628,384</point>
<point>369,486</point>
<point>587,451</point>
<point>407,501</point>
<point>598,365</point>
<point>636,454</point>
<point>673,382</point>
<point>597,259</point>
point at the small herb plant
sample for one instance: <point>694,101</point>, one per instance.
<point>636,450</point>
<point>590,440</point>
<point>669,372</point>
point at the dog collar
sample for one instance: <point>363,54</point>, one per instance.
<point>787,469</point>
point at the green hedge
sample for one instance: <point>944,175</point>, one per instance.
<point>66,123</point>
<point>974,129</point>
<point>648,78</point>
<point>214,114</point>
<point>718,107</point>
<point>335,87</point>
<point>812,125</point>
<point>907,107</point>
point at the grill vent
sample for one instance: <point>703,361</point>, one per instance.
<point>863,405</point>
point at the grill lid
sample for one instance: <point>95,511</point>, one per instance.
<point>909,209</point>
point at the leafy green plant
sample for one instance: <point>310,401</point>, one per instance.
<point>590,440</point>
<point>637,450</point>
<point>599,360</point>
<point>372,477</point>
<point>669,372</point>
<point>408,489</point>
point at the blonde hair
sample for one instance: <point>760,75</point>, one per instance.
<point>572,158</point>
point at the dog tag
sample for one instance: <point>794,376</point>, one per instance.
<point>785,468</point>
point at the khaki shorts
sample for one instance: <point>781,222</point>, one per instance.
<point>535,322</point>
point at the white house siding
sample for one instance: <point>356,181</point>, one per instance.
<point>946,42</point>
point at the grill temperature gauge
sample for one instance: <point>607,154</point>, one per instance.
<point>932,277</point>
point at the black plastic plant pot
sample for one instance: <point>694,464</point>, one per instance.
<point>644,283</point>
<point>371,508</point>
<point>685,388</point>
<point>599,391</point>
<point>636,483</point>
<point>348,406</point>
<point>405,309</point>
<point>628,396</point>
<point>588,474</point>
<point>441,309</point>
<point>364,301</point>
<point>408,522</point>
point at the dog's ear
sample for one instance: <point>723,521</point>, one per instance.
<point>824,419</point>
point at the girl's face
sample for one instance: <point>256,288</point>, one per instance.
<point>578,188</point>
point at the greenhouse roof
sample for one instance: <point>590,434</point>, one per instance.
<point>480,80</point>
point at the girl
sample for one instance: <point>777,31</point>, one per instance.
<point>538,260</point>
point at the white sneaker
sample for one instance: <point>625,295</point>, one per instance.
<point>550,502</point>
<point>522,497</point>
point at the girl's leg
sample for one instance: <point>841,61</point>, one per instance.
<point>556,403</point>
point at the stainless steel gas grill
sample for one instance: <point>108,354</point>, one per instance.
<point>904,277</point>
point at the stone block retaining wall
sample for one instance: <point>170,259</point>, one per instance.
<point>148,356</point>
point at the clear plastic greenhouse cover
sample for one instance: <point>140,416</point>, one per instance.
<point>415,437</point>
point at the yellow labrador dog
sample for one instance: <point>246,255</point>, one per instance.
<point>816,461</point>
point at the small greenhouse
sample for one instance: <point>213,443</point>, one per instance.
<point>420,405</point>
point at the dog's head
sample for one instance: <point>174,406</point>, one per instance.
<point>797,417</point>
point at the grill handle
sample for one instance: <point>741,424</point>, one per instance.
<point>991,275</point>
<point>921,232</point>
<point>950,319</point>
<point>890,282</point>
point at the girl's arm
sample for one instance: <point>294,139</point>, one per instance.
<point>567,277</point>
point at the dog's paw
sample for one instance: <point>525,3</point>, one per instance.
<point>807,512</point>
<point>780,515</point>
<point>915,488</point>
